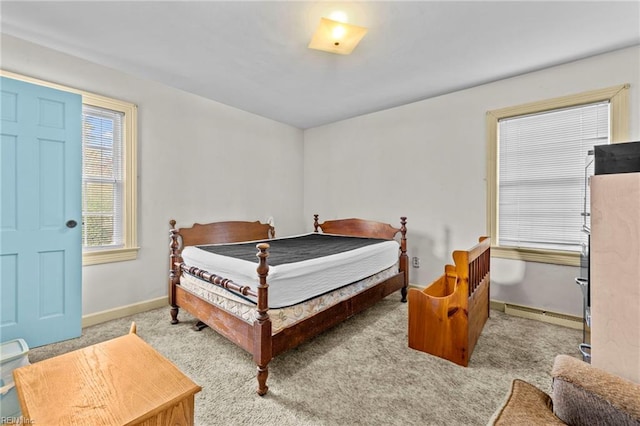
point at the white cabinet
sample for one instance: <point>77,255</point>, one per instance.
<point>615,274</point>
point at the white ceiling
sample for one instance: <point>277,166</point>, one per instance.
<point>254,55</point>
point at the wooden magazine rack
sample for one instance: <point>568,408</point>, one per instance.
<point>447,317</point>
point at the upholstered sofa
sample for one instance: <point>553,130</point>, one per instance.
<point>581,395</point>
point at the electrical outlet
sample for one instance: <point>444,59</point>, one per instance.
<point>415,261</point>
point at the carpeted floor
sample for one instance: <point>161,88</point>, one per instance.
<point>360,373</point>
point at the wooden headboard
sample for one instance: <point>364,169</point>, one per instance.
<point>223,232</point>
<point>358,227</point>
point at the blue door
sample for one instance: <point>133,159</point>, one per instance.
<point>40,213</point>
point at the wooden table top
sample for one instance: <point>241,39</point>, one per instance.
<point>120,381</point>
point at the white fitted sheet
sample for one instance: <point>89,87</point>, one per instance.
<point>293,283</point>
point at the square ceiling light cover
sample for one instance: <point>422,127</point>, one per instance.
<point>336,37</point>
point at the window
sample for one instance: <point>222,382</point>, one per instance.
<point>108,180</point>
<point>541,161</point>
<point>536,172</point>
<point>102,181</point>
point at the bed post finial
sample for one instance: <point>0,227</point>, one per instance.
<point>174,255</point>
<point>262,350</point>
<point>404,259</point>
<point>315,223</point>
<point>263,271</point>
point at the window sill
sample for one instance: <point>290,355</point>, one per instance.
<point>109,256</point>
<point>556,257</point>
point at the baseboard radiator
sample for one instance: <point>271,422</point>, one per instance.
<point>564,320</point>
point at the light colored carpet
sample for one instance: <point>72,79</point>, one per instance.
<point>361,372</point>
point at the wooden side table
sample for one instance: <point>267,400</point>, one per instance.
<point>123,381</point>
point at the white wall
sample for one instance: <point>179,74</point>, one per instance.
<point>427,161</point>
<point>199,161</point>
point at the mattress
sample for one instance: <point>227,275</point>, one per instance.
<point>291,283</point>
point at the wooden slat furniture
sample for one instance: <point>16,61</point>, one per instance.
<point>257,338</point>
<point>123,381</point>
<point>447,317</point>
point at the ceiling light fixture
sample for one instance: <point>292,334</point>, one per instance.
<point>336,36</point>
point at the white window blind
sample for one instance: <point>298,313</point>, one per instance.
<point>102,179</point>
<point>542,159</point>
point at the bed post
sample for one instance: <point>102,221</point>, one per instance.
<point>174,276</point>
<point>315,223</point>
<point>404,259</point>
<point>262,352</point>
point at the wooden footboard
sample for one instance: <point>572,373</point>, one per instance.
<point>257,338</point>
<point>447,317</point>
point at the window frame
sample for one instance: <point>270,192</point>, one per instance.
<point>618,98</point>
<point>129,163</point>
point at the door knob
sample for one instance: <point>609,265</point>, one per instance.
<point>71,223</point>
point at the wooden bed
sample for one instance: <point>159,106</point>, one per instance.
<point>447,317</point>
<point>257,337</point>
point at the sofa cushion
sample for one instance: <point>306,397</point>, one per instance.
<point>585,395</point>
<point>525,405</point>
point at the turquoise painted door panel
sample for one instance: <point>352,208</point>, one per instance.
<point>40,254</point>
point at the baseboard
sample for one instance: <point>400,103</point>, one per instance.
<point>123,311</point>
<point>496,305</point>
<point>564,320</point>
<point>136,308</point>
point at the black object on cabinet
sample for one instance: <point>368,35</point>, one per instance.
<point>617,158</point>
